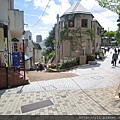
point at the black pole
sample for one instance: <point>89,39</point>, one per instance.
<point>6,77</point>
<point>24,57</point>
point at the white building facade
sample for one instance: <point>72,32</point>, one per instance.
<point>28,50</point>
<point>14,20</point>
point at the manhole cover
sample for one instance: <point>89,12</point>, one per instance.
<point>97,77</point>
<point>63,96</point>
<point>35,106</point>
<point>50,87</point>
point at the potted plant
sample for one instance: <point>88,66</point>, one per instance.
<point>91,59</point>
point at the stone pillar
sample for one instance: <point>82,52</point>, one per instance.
<point>82,60</point>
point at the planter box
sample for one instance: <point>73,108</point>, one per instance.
<point>92,62</point>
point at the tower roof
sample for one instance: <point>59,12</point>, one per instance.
<point>77,8</point>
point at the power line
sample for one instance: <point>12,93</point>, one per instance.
<point>41,15</point>
<point>101,14</point>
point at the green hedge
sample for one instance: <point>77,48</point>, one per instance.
<point>70,64</point>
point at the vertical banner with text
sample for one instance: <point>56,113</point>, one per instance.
<point>6,51</point>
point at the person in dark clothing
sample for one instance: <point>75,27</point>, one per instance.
<point>118,51</point>
<point>41,67</point>
<point>37,67</point>
<point>115,50</point>
<point>114,58</point>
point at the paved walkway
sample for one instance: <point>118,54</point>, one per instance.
<point>89,93</point>
<point>42,76</point>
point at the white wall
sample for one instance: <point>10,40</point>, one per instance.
<point>4,11</point>
<point>27,34</point>
<point>16,18</point>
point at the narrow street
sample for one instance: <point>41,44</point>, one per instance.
<point>86,90</point>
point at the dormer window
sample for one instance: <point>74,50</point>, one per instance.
<point>71,23</point>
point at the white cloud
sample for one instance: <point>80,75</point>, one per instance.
<point>52,10</point>
<point>105,17</point>
<point>49,17</point>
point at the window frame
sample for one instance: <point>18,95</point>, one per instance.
<point>72,22</point>
<point>83,23</point>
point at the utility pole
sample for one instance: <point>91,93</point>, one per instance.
<point>57,41</point>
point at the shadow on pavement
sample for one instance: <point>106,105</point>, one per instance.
<point>21,89</point>
<point>89,66</point>
<point>2,92</point>
<point>102,59</point>
<point>115,66</point>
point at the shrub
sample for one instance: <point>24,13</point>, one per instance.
<point>90,57</point>
<point>70,64</point>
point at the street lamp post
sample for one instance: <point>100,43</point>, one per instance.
<point>57,40</point>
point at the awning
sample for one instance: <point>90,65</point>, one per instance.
<point>27,57</point>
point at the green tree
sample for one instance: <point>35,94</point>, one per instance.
<point>113,5</point>
<point>117,36</point>
<point>49,41</point>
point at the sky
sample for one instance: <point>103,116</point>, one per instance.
<point>40,19</point>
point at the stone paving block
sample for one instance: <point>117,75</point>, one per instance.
<point>71,104</point>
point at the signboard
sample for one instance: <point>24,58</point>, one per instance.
<point>58,46</point>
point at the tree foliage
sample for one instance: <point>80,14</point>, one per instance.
<point>109,33</point>
<point>113,5</point>
<point>117,37</point>
<point>49,41</point>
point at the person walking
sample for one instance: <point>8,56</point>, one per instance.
<point>37,67</point>
<point>118,51</point>
<point>115,50</point>
<point>114,58</point>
